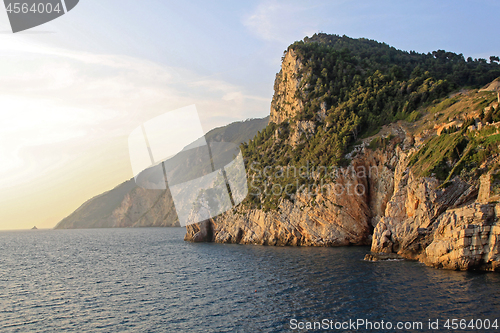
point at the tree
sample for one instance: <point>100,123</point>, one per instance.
<point>494,58</point>
<point>397,72</point>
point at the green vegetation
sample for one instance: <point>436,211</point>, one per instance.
<point>477,152</point>
<point>458,153</point>
<point>380,142</point>
<point>439,155</point>
<point>368,84</point>
<point>365,85</point>
<point>444,105</point>
<point>414,116</point>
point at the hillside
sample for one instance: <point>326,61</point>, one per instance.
<point>128,205</point>
<point>332,91</point>
<point>370,145</point>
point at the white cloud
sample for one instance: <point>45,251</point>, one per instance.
<point>283,21</point>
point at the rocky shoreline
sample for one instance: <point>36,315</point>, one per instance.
<point>399,216</point>
<point>444,228</point>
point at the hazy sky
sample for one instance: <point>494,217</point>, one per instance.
<point>73,89</point>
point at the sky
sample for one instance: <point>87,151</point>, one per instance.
<point>73,89</point>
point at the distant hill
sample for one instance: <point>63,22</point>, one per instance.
<point>128,205</point>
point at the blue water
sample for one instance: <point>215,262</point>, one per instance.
<point>150,280</point>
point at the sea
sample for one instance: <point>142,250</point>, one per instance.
<point>150,280</point>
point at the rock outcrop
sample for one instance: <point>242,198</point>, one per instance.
<point>442,227</point>
<point>285,104</point>
<point>466,238</point>
<point>342,213</point>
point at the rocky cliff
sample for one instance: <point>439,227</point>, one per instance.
<point>377,200</point>
<point>340,214</point>
<point>285,104</point>
<point>446,227</point>
<point>423,188</point>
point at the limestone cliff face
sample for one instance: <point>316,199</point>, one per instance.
<point>285,104</point>
<point>466,238</point>
<point>145,208</point>
<point>342,212</point>
<point>442,227</point>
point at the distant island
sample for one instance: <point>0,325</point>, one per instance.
<point>34,228</point>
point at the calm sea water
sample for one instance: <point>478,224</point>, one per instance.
<point>150,280</point>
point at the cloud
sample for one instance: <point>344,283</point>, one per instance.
<point>283,21</point>
<point>64,103</point>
